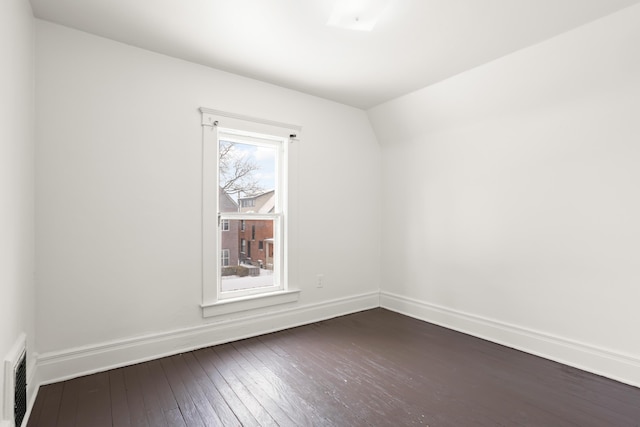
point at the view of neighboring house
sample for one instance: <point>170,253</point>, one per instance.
<point>247,241</point>
<point>260,203</point>
<point>256,236</point>
<point>229,231</point>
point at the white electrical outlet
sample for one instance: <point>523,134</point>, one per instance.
<point>320,281</point>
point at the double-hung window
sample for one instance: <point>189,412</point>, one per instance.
<point>250,172</point>
<point>245,213</point>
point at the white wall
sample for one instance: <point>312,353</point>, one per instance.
<point>118,191</point>
<point>16,177</point>
<point>511,199</point>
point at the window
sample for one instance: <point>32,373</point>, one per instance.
<point>245,177</point>
<point>224,258</point>
<point>250,168</point>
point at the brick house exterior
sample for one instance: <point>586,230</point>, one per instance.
<point>256,236</point>
<point>229,232</point>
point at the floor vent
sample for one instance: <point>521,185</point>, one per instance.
<point>15,383</point>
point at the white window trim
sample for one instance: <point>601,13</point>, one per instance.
<point>212,303</point>
<point>229,306</point>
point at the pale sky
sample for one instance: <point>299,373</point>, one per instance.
<point>265,157</point>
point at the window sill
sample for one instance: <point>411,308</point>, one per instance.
<point>252,302</point>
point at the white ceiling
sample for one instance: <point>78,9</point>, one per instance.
<point>286,42</point>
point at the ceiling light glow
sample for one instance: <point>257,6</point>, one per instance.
<point>359,15</point>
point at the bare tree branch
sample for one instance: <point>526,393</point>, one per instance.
<point>237,173</point>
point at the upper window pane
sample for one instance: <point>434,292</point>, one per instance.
<point>248,177</point>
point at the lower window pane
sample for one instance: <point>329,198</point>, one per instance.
<point>251,255</point>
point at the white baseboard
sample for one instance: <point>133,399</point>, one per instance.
<point>58,366</point>
<point>620,367</point>
<point>62,365</point>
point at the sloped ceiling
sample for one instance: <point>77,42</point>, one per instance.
<point>287,42</point>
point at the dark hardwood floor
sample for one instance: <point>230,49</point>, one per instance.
<point>371,368</point>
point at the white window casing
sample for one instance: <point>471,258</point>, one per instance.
<point>245,130</point>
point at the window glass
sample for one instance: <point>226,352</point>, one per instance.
<point>250,212</point>
<point>253,266</point>
<point>247,175</point>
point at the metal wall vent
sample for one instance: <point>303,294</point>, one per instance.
<point>15,383</point>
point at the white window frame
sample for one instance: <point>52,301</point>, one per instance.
<point>214,301</point>
<point>224,225</point>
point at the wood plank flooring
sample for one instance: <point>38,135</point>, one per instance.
<point>374,368</point>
